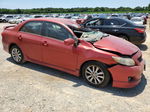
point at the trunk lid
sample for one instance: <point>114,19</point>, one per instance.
<point>9,27</point>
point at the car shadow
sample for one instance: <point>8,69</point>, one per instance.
<point>129,92</point>
<point>142,47</point>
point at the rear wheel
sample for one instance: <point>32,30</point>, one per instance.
<point>17,54</point>
<point>96,74</point>
<point>124,37</point>
<point>4,21</point>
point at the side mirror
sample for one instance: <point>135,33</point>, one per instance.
<point>69,41</point>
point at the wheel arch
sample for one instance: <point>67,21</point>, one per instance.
<point>123,34</point>
<point>89,61</point>
<point>12,44</point>
<point>23,60</point>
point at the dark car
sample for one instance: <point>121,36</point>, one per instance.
<point>118,27</point>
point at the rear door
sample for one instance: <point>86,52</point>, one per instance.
<point>30,40</point>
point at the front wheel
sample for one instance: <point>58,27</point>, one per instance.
<point>96,74</point>
<point>17,54</point>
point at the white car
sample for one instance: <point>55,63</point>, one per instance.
<point>6,18</point>
<point>138,20</point>
<point>14,20</point>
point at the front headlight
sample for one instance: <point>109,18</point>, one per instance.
<point>124,61</point>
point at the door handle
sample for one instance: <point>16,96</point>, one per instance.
<point>20,37</point>
<point>45,43</point>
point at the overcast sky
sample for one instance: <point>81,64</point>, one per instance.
<point>27,4</point>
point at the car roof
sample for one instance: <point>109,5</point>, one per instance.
<point>57,20</point>
<point>115,18</point>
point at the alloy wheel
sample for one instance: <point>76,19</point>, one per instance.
<point>94,74</point>
<point>16,54</point>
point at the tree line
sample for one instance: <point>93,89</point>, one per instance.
<point>73,10</point>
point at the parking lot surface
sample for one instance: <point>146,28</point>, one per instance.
<point>34,88</point>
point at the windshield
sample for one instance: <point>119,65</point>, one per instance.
<point>87,34</point>
<point>129,22</point>
<point>92,36</point>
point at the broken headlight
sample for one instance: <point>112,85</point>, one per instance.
<point>124,61</point>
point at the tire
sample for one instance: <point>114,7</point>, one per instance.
<point>99,77</point>
<point>124,37</point>
<point>17,54</point>
<point>4,21</point>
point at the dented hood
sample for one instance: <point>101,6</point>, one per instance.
<point>116,44</point>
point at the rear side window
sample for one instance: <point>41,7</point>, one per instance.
<point>110,22</point>
<point>32,27</point>
<point>56,31</point>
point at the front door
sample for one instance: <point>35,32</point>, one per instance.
<point>55,52</point>
<point>111,26</point>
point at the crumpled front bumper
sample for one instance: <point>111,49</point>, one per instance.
<point>125,76</point>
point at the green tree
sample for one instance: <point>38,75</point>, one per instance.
<point>148,7</point>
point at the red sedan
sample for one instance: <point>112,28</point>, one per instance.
<point>63,45</point>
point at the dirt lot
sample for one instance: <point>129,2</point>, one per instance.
<point>35,88</point>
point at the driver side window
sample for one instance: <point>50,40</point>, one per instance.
<point>110,22</point>
<point>96,22</point>
<point>56,31</point>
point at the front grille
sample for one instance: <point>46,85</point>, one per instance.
<point>140,58</point>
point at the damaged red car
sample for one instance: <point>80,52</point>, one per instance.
<point>62,44</point>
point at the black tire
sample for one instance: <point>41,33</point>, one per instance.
<point>4,21</point>
<point>124,37</point>
<point>17,54</point>
<point>102,69</point>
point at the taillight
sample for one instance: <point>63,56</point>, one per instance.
<point>140,30</point>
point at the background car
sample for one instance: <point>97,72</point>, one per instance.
<point>6,18</point>
<point>118,27</point>
<point>14,20</point>
<point>138,20</point>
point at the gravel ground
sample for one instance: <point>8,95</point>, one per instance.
<point>35,88</point>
